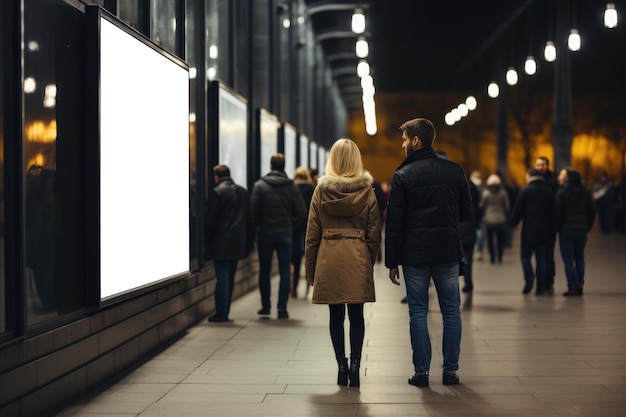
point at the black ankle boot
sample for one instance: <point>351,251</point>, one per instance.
<point>355,364</point>
<point>342,375</point>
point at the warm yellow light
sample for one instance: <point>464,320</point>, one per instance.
<point>40,132</point>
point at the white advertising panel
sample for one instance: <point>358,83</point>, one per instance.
<point>144,163</point>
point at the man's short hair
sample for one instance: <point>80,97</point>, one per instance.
<point>422,128</point>
<point>278,162</point>
<point>221,171</point>
<point>533,172</point>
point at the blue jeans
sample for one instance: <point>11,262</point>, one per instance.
<point>526,253</point>
<point>225,283</point>
<point>572,244</point>
<point>266,247</point>
<point>446,279</point>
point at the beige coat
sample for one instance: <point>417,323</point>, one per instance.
<point>342,240</point>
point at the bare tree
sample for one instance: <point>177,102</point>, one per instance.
<point>603,116</point>
<point>530,116</point>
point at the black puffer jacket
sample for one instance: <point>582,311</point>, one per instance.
<point>534,206</point>
<point>469,226</point>
<point>276,206</point>
<point>573,208</point>
<point>429,196</point>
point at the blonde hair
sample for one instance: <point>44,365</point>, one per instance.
<point>344,159</point>
<point>303,174</point>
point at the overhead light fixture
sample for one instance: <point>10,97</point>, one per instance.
<point>367,81</point>
<point>511,76</point>
<point>362,48</point>
<point>610,16</point>
<point>573,40</point>
<point>358,21</point>
<point>549,52</point>
<point>462,109</point>
<point>449,118</point>
<point>471,103</point>
<point>493,90</point>
<point>530,66</point>
<point>363,68</point>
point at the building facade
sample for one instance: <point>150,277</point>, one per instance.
<point>62,331</point>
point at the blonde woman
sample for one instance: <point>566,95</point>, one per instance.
<point>342,241</point>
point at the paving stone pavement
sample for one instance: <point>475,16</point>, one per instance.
<point>521,355</point>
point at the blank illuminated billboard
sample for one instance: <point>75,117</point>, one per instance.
<point>144,162</point>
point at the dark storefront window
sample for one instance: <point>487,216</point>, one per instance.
<point>53,159</point>
<point>218,51</point>
<point>192,33</point>
<point>165,23</point>
<point>131,13</point>
<point>242,46</point>
<point>3,59</point>
<point>285,65</point>
<point>261,55</point>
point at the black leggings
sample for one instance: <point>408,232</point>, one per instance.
<point>357,329</point>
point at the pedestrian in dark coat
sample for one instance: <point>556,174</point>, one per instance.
<point>429,196</point>
<point>227,232</point>
<point>543,165</point>
<point>276,210</point>
<point>574,214</point>
<point>534,207</point>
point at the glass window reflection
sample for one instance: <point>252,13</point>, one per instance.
<point>3,57</point>
<point>217,41</point>
<point>242,44</point>
<point>53,137</point>
<point>130,12</point>
<point>190,53</point>
<point>164,23</point>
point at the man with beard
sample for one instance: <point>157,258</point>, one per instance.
<point>429,196</point>
<point>543,165</point>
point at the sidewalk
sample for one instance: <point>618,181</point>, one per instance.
<point>520,355</point>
